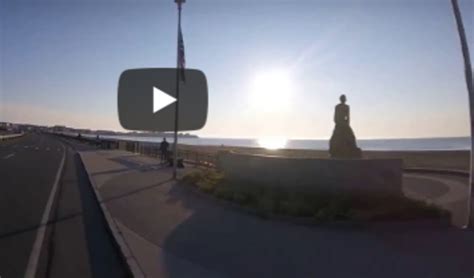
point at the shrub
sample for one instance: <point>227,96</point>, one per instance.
<point>224,192</point>
<point>320,206</point>
<point>205,181</point>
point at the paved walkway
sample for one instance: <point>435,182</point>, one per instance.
<point>448,192</point>
<point>169,231</point>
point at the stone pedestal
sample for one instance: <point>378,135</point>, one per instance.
<point>356,176</point>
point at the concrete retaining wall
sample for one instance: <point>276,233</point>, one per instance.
<point>364,176</point>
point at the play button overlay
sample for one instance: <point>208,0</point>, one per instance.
<point>161,99</point>
<point>147,99</point>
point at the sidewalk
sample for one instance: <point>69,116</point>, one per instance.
<point>166,230</point>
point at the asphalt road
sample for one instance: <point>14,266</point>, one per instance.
<point>76,242</point>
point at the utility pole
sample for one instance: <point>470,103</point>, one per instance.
<point>469,84</point>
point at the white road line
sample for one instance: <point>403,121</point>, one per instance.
<point>8,156</point>
<point>36,250</point>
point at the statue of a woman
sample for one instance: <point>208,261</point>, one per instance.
<point>343,142</point>
<point>342,112</point>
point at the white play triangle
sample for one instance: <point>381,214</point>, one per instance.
<point>161,99</point>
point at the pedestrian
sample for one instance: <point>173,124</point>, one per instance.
<point>164,150</point>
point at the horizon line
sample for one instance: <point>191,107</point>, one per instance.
<point>213,136</point>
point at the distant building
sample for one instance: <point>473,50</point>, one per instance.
<point>59,128</point>
<point>105,132</point>
<point>4,126</point>
<point>83,131</point>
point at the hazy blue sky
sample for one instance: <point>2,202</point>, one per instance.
<point>398,61</point>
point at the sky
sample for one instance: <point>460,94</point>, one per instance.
<point>397,61</point>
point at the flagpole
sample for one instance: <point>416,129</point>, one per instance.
<point>469,84</point>
<point>176,111</point>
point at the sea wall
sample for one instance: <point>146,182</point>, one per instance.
<point>355,176</point>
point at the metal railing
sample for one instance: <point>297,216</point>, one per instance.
<point>193,157</point>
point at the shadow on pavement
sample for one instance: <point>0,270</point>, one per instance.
<point>228,242</point>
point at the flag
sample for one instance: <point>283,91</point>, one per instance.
<point>181,57</point>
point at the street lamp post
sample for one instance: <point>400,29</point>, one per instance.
<point>469,84</point>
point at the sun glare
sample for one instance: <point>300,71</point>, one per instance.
<point>272,143</point>
<point>271,90</point>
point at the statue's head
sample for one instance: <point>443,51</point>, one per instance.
<point>342,98</point>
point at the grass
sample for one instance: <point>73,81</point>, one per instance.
<point>321,207</point>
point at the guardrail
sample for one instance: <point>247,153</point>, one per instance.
<point>10,136</point>
<point>196,158</point>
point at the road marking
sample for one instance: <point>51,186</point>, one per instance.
<point>8,156</point>
<point>36,250</point>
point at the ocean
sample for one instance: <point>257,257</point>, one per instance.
<point>419,144</point>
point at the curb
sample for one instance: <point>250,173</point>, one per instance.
<point>459,173</point>
<point>126,253</point>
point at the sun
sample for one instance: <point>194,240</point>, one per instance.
<point>272,143</point>
<point>271,90</point>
